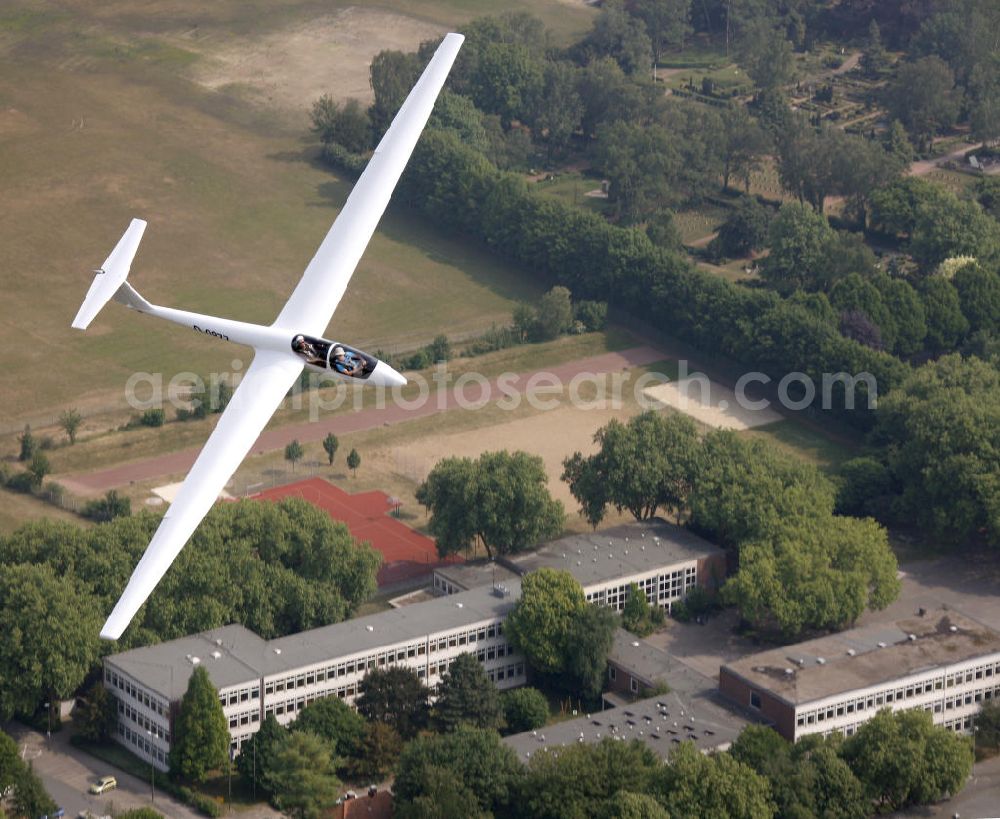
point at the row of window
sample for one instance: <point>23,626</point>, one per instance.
<point>141,741</point>
<point>382,659</point>
<point>122,683</point>
<point>658,588</point>
<point>879,699</point>
<point>509,673</point>
<point>246,718</point>
<point>977,673</point>
<point>245,694</point>
<point>445,586</point>
<point>128,712</point>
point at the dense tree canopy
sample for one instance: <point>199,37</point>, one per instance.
<point>540,622</point>
<point>335,722</point>
<point>466,696</point>
<point>301,778</point>
<point>395,696</point>
<point>500,497</point>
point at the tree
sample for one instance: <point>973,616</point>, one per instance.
<point>201,731</point>
<point>555,313</point>
<point>874,59</point>
<point>294,452</point>
<point>667,23</point>
<point>30,797</point>
<point>558,107</point>
<point>640,161</point>
<point>440,349</point>
<point>939,431</point>
<point>392,75</point>
<point>866,486</point>
<point>662,231</point>
<point>48,636</point>
<point>903,303</point>
<point>472,756</point>
<point>524,709</point>
<point>693,784</point>
<point>70,421</point>
<point>641,466</point>
<point>395,696</point>
<point>923,98</point>
<point>96,714</point>
<point>814,574</point>
<point>539,624</point>
<point>584,779</point>
<point>631,805</point>
<point>857,325</point>
<point>987,729</point>
<point>442,796</point>
<point>798,240</point>
<point>807,778</point>
<point>744,144</point>
<point>945,322</point>
<point>745,229</point>
<point>507,81</point>
<point>588,642</point>
<point>945,226</point>
<point>346,125</point>
<point>353,461</point>
<point>335,722</point>
<point>465,696</point>
<point>979,294</point>
<point>619,35</point>
<point>10,761</point>
<point>301,777</point>
<point>257,753</point>
<point>38,468</point>
<point>903,759</point>
<point>28,444</point>
<point>897,145</point>
<point>111,506</point>
<point>638,616</point>
<point>766,54</point>
<point>330,444</point>
<point>500,497</point>
<point>743,490</point>
<point>378,751</point>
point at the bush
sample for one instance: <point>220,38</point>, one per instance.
<point>524,709</point>
<point>153,418</point>
<point>593,315</point>
<point>21,482</point>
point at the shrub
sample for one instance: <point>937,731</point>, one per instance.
<point>592,314</point>
<point>153,418</point>
<point>525,709</point>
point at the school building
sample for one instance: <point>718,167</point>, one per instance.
<point>940,661</point>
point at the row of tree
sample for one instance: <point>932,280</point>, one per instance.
<point>277,568</point>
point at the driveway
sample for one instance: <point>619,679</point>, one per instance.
<point>67,772</point>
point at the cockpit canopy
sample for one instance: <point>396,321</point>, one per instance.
<point>335,356</point>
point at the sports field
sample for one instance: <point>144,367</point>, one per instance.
<point>406,554</point>
<point>109,111</point>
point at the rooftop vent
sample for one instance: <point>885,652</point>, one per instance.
<point>218,641</point>
<point>372,628</point>
<point>277,651</point>
<point>821,660</point>
<point>911,637</point>
<point>881,643</point>
<point>217,654</point>
<point>800,662</point>
<point>952,629</point>
<point>459,605</point>
<point>195,660</point>
<point>578,563</point>
<point>851,652</point>
<point>789,672</point>
<point>635,644</point>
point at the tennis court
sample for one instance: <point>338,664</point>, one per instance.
<point>405,554</point>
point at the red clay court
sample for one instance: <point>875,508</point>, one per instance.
<point>405,554</point>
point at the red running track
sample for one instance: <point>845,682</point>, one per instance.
<point>405,554</point>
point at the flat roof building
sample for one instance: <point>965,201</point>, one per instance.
<point>257,677</point>
<point>664,560</point>
<point>941,661</point>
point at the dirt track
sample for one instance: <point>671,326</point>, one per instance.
<point>269,440</point>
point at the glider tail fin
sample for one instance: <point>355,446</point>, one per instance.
<point>110,278</point>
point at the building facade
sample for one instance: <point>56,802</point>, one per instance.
<point>941,662</point>
<point>257,677</point>
<point>664,560</point>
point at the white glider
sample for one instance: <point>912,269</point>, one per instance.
<point>282,349</point>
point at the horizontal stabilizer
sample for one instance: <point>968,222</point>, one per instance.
<point>111,275</point>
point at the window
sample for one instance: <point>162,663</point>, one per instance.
<point>755,700</point>
<point>612,672</point>
<point>633,685</point>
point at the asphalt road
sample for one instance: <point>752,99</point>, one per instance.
<point>67,772</point>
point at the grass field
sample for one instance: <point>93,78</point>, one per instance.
<point>102,119</point>
<point>571,189</point>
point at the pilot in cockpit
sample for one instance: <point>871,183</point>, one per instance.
<point>305,349</point>
<point>344,365</point>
